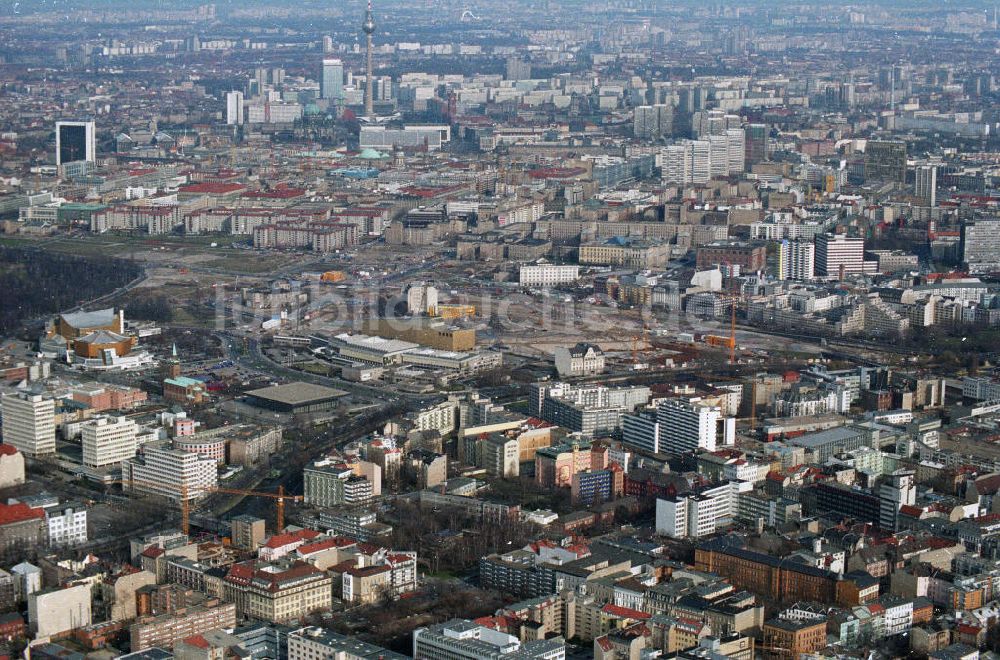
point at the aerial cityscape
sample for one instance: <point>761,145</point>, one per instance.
<point>535,329</point>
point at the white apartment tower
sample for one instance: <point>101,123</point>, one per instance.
<point>29,423</point>
<point>421,299</point>
<point>839,255</point>
<point>687,425</point>
<point>898,490</point>
<point>108,441</point>
<point>926,184</point>
<point>796,260</point>
<point>234,108</point>
<point>171,473</point>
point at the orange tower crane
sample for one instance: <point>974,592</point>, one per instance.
<point>185,503</point>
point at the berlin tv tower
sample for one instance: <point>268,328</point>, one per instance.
<point>369,27</point>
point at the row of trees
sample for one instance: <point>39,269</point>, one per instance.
<point>37,283</point>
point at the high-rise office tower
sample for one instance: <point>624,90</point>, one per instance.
<point>980,246</point>
<point>926,184</point>
<point>691,161</point>
<point>331,82</point>
<point>646,122</point>
<point>848,95</point>
<point>885,160</point>
<point>796,260</point>
<point>29,423</point>
<point>369,28</point>
<point>898,490</point>
<point>756,143</point>
<point>687,425</point>
<point>234,108</point>
<point>517,69</point>
<point>261,76</point>
<point>719,158</point>
<point>839,255</point>
<point>736,150</point>
<point>75,141</point>
<point>676,164</point>
<point>713,122</point>
<point>653,121</point>
<point>108,441</point>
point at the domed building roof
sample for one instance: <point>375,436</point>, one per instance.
<point>371,154</point>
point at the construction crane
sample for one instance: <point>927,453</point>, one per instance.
<point>280,496</point>
<point>732,332</point>
<point>732,314</point>
<point>185,503</point>
<point>635,342</point>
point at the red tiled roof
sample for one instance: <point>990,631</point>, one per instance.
<point>624,612</point>
<point>364,571</point>
<point>318,546</point>
<point>343,566</point>
<point>212,188</point>
<point>281,540</point>
<point>492,622</point>
<point>398,558</point>
<point>910,510</point>
<point>15,513</point>
<point>280,193</point>
<point>197,640</point>
<point>7,450</point>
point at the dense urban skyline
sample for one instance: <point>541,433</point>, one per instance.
<point>552,329</point>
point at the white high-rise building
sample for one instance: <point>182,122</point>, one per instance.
<point>675,162</point>
<point>421,299</point>
<point>698,161</point>
<point>713,122</point>
<point>926,184</point>
<point>718,155</point>
<point>796,260</point>
<point>331,83</point>
<point>736,150</point>
<point>701,161</point>
<point>687,425</point>
<point>234,108</point>
<point>547,275</point>
<point>898,490</point>
<point>67,526</point>
<point>837,254</point>
<point>29,423</point>
<point>641,430</point>
<point>171,473</point>
<point>698,515</point>
<point>108,441</point>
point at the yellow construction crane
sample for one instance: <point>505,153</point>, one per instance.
<point>635,342</point>
<point>185,503</point>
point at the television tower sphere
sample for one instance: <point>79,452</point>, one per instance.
<point>369,25</point>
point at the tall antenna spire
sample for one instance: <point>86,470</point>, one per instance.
<point>369,27</point>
